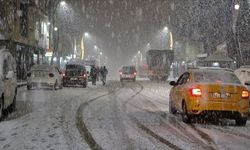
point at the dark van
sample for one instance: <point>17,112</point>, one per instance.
<point>75,74</point>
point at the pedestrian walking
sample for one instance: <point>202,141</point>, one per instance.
<point>98,73</point>
<point>93,74</point>
<point>104,73</point>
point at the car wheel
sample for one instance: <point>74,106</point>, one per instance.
<point>134,80</point>
<point>1,106</point>
<point>28,87</point>
<point>121,80</point>
<point>172,110</point>
<point>241,121</point>
<point>185,116</point>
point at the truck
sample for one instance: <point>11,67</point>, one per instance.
<point>159,63</point>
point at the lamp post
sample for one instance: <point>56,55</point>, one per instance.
<point>100,55</point>
<point>53,5</point>
<point>236,34</point>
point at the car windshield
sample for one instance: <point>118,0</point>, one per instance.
<point>74,70</point>
<point>216,76</point>
<point>128,69</point>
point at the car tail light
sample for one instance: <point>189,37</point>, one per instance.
<point>196,92</point>
<point>135,73</point>
<point>120,73</point>
<point>84,75</point>
<point>51,75</point>
<point>245,94</point>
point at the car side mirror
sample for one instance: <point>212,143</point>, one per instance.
<point>247,83</point>
<point>10,75</point>
<point>172,83</point>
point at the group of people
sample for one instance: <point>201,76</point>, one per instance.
<point>97,73</point>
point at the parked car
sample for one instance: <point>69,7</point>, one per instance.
<point>128,73</point>
<point>44,76</point>
<point>75,74</point>
<point>206,91</point>
<point>243,73</point>
<point>8,81</point>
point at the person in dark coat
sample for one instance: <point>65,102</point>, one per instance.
<point>93,74</point>
<point>98,73</point>
<point>104,73</point>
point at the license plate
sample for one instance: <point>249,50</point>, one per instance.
<point>221,95</point>
<point>73,78</point>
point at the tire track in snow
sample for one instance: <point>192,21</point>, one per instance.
<point>229,132</point>
<point>203,135</point>
<point>119,125</point>
<point>146,129</point>
<point>82,128</point>
<point>178,127</point>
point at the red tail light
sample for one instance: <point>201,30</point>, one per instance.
<point>120,73</point>
<point>135,73</point>
<point>195,92</point>
<point>245,94</point>
<point>84,75</point>
<point>51,75</point>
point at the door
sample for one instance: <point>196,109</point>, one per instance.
<point>181,89</point>
<point>174,92</point>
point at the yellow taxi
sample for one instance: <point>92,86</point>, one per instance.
<point>207,91</point>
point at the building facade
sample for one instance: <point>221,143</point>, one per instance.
<point>24,31</point>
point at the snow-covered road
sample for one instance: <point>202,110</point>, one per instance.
<point>118,116</point>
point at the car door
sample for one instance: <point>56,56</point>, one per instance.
<point>174,92</point>
<point>181,90</point>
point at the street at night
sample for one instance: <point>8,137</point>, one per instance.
<point>118,116</point>
<point>124,74</point>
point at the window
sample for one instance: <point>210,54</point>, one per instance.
<point>183,79</point>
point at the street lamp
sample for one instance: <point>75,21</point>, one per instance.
<point>236,6</point>
<point>95,47</point>
<point>55,29</point>
<point>63,3</point>
<point>165,29</point>
<point>86,34</point>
